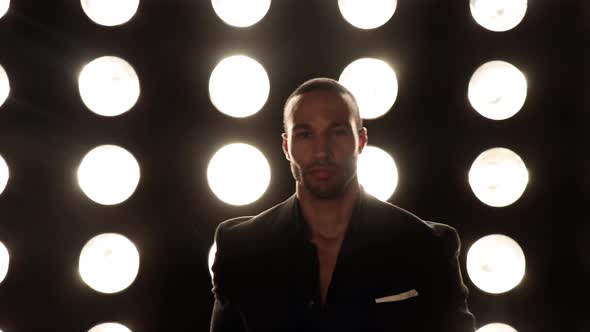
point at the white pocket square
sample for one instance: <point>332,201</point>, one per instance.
<point>397,297</point>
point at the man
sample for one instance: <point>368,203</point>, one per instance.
<point>332,257</point>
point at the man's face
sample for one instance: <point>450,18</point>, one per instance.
<point>322,143</point>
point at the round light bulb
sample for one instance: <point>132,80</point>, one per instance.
<point>109,263</point>
<point>108,174</point>
<point>498,177</point>
<point>4,86</point>
<point>367,14</point>
<point>4,174</point>
<point>109,86</point>
<point>110,12</point>
<point>497,90</point>
<point>109,327</point>
<point>4,261</point>
<point>495,264</point>
<point>238,174</point>
<point>4,5</point>
<point>241,13</point>
<point>498,15</point>
<point>373,84</point>
<point>496,327</point>
<point>377,172</point>
<point>239,86</point>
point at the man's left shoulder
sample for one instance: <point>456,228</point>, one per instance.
<point>390,217</point>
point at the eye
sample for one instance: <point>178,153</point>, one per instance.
<point>302,134</point>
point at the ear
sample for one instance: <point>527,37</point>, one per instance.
<point>363,139</point>
<point>285,145</point>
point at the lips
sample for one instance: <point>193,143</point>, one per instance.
<point>322,172</point>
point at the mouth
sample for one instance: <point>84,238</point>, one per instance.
<point>322,172</point>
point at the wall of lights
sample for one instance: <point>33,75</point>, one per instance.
<point>239,174</point>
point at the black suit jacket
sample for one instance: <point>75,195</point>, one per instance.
<point>266,274</point>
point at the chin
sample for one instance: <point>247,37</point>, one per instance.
<point>326,192</point>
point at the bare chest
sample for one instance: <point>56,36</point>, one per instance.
<point>327,257</point>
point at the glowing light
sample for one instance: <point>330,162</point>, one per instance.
<point>108,174</point>
<point>373,84</point>
<point>109,263</point>
<point>4,174</point>
<point>365,14</point>
<point>110,12</point>
<point>498,177</point>
<point>496,327</point>
<point>211,258</point>
<point>109,327</point>
<point>4,5</point>
<point>4,86</point>
<point>238,174</point>
<point>377,172</point>
<point>239,86</point>
<point>495,264</point>
<point>109,86</point>
<point>497,90</point>
<point>4,262</point>
<point>241,13</point>
<point>498,15</point>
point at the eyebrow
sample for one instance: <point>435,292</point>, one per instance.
<point>340,124</point>
<point>301,126</point>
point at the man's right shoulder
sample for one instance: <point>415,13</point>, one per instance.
<point>251,227</point>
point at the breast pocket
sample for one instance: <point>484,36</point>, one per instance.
<point>398,312</point>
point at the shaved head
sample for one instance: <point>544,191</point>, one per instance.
<point>321,84</point>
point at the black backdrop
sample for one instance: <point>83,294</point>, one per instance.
<point>173,130</point>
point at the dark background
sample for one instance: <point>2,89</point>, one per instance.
<point>431,131</point>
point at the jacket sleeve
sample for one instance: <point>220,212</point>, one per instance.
<point>445,288</point>
<point>225,316</point>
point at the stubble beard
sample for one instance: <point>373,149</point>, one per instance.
<point>345,174</point>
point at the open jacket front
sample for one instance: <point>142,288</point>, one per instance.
<point>394,272</point>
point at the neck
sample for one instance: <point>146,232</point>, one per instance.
<point>328,219</point>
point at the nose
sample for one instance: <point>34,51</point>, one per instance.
<point>322,147</point>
